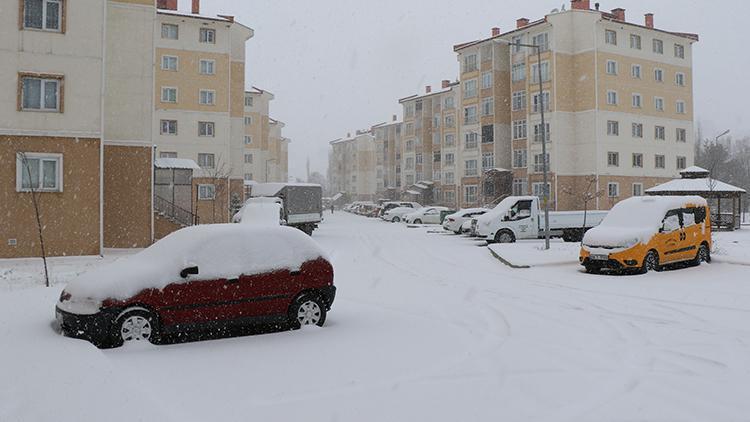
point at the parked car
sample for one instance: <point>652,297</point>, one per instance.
<point>646,233</point>
<point>520,217</point>
<point>396,215</point>
<point>261,212</point>
<point>455,221</point>
<point>387,206</point>
<point>201,276</point>
<point>426,215</point>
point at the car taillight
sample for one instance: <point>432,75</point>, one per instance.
<point>451,220</point>
<point>64,296</point>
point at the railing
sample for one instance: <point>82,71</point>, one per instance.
<point>175,213</point>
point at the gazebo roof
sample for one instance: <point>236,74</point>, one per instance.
<point>703,185</point>
<point>176,163</point>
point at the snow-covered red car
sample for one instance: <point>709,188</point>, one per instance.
<point>201,276</point>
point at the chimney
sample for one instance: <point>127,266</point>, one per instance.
<point>166,4</point>
<point>520,23</point>
<point>649,20</point>
<point>230,18</point>
<point>446,83</point>
<point>196,7</point>
<point>428,89</point>
<point>580,4</point>
<point>619,14</point>
<point>596,6</point>
<point>395,117</point>
<point>495,32</point>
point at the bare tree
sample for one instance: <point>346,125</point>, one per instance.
<point>35,202</point>
<point>587,195</point>
<point>220,171</point>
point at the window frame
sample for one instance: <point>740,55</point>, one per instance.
<point>20,169</point>
<point>616,193</point>
<point>61,18</point>
<point>636,45</point>
<point>205,124</point>
<point>207,40</point>
<point>169,123</point>
<point>165,57</point>
<point>212,62</point>
<point>206,155</point>
<point>212,96</point>
<point>176,94</point>
<point>640,189</point>
<point>610,37</point>
<point>636,130</point>
<point>202,196</point>
<point>43,78</point>
<point>637,160</point>
<point>166,25</point>
<point>613,128</point>
<point>613,159</point>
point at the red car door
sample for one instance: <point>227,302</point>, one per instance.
<point>199,301</point>
<point>270,293</point>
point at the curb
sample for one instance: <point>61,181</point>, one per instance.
<point>506,262</point>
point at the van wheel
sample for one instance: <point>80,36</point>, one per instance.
<point>703,255</point>
<point>650,262</point>
<point>504,237</point>
<point>308,309</point>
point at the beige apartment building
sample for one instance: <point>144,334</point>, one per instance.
<point>618,103</point>
<point>388,158</point>
<point>352,166</point>
<point>59,138</point>
<point>266,150</point>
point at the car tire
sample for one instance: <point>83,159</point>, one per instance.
<point>504,236</point>
<point>308,309</point>
<point>135,325</point>
<point>417,221</point>
<point>650,262</point>
<point>703,255</point>
<point>396,220</point>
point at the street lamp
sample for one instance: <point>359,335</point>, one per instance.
<point>543,133</point>
<point>268,161</point>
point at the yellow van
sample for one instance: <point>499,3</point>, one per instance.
<point>646,233</point>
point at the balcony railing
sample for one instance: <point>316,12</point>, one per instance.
<point>175,213</point>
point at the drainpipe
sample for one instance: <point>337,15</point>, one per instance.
<point>102,98</point>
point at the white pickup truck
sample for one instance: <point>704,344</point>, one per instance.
<point>520,217</point>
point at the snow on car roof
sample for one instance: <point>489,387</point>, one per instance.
<point>264,214</point>
<point>219,250</point>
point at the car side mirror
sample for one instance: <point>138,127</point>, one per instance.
<point>189,271</point>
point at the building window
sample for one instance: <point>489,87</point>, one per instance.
<point>470,139</point>
<point>208,67</point>
<point>450,178</point>
<point>450,102</point>
<point>207,97</point>
<point>539,190</point>
<point>248,140</point>
<point>516,42</point>
<point>679,51</point>
<point>488,161</point>
<point>539,162</point>
<point>611,67</point>
<point>519,187</point>
<point>542,40</point>
<point>518,72</point>
<point>470,194</point>
<point>248,158</point>
<point>410,145</point>
<point>170,31</point>
<point>659,133</point>
<point>39,172</point>
<point>410,163</point>
<point>450,159</point>
<point>167,154</point>
<point>659,161</point>
<point>418,158</point>
<point>168,127</point>
<point>635,71</point>
<point>206,129</point>
<point>535,72</point>
<point>436,157</point>
<point>613,128</point>
<point>681,163</point>
<point>538,132</point>
<point>471,168</point>
<point>248,101</point>
<point>637,160</point>
<point>679,79</point>
<point>43,14</point>
<point>612,97</point>
<point>610,37</point>
<point>168,95</point>
<point>637,189</point>
<point>613,189</point>
<point>450,140</point>
<point>519,129</point>
<point>488,134</point>
<point>248,120</point>
<point>470,115</point>
<point>519,100</point>
<point>659,103</point>
<point>519,158</point>
<point>206,192</point>
<point>436,176</point>
<point>470,88</point>
<point>635,41</point>
<point>681,107</point>
<point>637,101</point>
<point>470,63</point>
<point>248,176</point>
<point>681,135</point>
<point>486,80</point>
<point>658,75</point>
<point>637,130</point>
<point>535,106</point>
<point>613,159</point>
<point>658,46</point>
<point>488,106</point>
<point>40,92</point>
<point>206,161</point>
<point>169,63</point>
<point>208,36</point>
<point>450,121</point>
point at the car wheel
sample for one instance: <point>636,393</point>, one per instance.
<point>590,269</point>
<point>417,221</point>
<point>650,262</point>
<point>703,255</point>
<point>396,220</point>
<point>308,309</point>
<point>136,325</point>
<point>504,237</point>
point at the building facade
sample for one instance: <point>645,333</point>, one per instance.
<point>387,138</point>
<point>352,166</point>
<point>266,149</point>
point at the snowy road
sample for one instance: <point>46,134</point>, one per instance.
<point>426,327</point>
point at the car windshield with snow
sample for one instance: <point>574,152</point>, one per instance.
<point>646,233</point>
<point>201,276</point>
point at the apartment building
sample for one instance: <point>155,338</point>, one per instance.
<point>430,147</point>
<point>617,96</point>
<point>266,154</point>
<point>352,166</point>
<point>388,158</point>
<point>277,163</point>
<point>59,141</point>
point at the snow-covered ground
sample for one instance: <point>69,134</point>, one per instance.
<point>426,327</point>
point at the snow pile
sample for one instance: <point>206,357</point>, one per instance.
<point>267,215</point>
<point>220,251</point>
<point>636,220</point>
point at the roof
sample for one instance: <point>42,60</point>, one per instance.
<point>413,192</point>
<point>193,15</point>
<point>703,185</point>
<point>441,91</point>
<point>694,169</point>
<point>351,138</point>
<point>176,163</point>
<point>386,124</point>
<point>271,189</point>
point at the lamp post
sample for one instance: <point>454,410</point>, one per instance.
<point>268,161</point>
<point>543,133</point>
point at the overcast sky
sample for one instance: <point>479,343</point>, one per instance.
<point>340,65</point>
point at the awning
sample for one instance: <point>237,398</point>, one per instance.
<point>413,192</point>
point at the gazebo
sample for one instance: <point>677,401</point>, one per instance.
<point>724,199</point>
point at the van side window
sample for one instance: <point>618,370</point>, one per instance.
<point>688,217</point>
<point>520,211</point>
<point>700,215</point>
<point>672,221</point>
